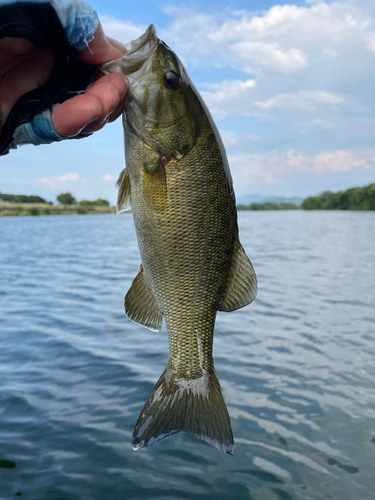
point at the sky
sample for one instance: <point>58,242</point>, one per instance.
<point>290,86</point>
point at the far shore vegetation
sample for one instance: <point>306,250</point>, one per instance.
<point>15,204</point>
<point>357,198</point>
<point>268,205</point>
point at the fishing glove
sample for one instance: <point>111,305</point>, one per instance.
<point>67,27</point>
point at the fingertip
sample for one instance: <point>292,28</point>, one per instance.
<point>73,115</point>
<point>115,79</point>
<point>100,49</point>
<point>117,45</point>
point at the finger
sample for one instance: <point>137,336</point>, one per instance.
<point>110,99</point>
<point>37,66</point>
<point>120,84</point>
<point>115,78</point>
<point>114,111</point>
<point>100,50</point>
<point>89,112</point>
<point>117,111</point>
<point>70,117</point>
<point>12,52</point>
<point>117,45</point>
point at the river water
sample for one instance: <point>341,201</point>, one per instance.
<point>297,367</point>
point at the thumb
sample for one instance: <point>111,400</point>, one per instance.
<point>101,49</point>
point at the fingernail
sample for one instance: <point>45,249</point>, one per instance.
<point>117,45</point>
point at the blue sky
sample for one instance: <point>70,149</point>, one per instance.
<point>290,86</point>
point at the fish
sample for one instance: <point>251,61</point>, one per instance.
<point>178,184</point>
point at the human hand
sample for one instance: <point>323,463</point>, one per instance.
<point>23,68</point>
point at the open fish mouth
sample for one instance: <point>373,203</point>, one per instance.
<point>138,52</point>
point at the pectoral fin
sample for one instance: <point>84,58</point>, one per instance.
<point>140,304</point>
<point>242,285</point>
<point>123,196</point>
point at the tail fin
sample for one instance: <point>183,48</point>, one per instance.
<point>194,406</point>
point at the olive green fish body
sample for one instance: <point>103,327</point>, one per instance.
<point>179,186</point>
<point>186,227</point>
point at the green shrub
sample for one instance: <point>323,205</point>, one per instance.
<point>312,203</point>
<point>94,203</point>
<point>66,199</point>
<point>34,211</point>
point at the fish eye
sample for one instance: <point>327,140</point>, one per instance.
<point>171,80</point>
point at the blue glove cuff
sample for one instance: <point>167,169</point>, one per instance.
<point>79,20</point>
<point>39,131</point>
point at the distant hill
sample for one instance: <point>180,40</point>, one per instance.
<point>249,198</point>
<point>258,198</point>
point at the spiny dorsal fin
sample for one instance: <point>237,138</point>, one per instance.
<point>140,304</point>
<point>123,196</point>
<point>242,285</point>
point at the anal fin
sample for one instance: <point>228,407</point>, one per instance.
<point>242,285</point>
<point>140,304</point>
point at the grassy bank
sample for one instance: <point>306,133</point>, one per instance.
<point>14,209</point>
<point>268,205</point>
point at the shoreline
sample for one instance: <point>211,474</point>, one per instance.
<point>35,209</point>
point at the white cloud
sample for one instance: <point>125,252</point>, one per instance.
<point>335,22</point>
<point>269,55</point>
<point>301,100</point>
<point>316,123</point>
<point>272,166</point>
<point>224,91</point>
<point>228,96</point>
<point>330,52</point>
<point>231,138</point>
<point>58,182</point>
<point>298,76</point>
<point>237,97</point>
<point>107,178</point>
<point>284,38</point>
<point>331,161</point>
<point>123,31</point>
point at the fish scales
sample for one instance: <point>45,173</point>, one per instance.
<point>178,183</point>
<point>193,234</point>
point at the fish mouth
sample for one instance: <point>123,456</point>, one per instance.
<point>138,52</point>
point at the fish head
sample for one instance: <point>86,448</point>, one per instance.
<point>162,106</point>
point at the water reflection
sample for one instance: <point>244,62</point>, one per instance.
<point>296,366</point>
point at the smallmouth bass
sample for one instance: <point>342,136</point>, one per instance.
<point>178,184</point>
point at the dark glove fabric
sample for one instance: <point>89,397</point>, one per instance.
<point>67,27</point>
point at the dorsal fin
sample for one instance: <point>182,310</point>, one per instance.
<point>123,196</point>
<point>242,284</point>
<point>140,304</point>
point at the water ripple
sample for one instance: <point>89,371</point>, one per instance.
<point>296,367</point>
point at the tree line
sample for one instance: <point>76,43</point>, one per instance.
<point>68,199</point>
<point>21,198</point>
<point>268,205</point>
<point>62,198</point>
<point>357,198</point>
